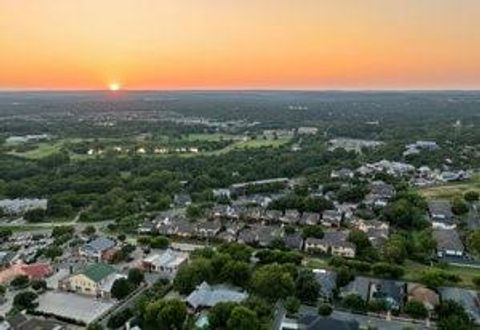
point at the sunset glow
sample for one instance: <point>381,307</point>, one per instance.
<point>114,86</point>
<point>210,44</point>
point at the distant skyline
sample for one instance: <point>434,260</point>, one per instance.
<point>246,44</point>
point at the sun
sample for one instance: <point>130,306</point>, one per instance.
<point>114,86</point>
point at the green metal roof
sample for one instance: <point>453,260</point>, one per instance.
<point>97,272</point>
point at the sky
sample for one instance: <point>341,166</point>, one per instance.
<point>240,44</point>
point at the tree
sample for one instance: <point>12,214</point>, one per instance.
<point>166,314</point>
<point>237,273</point>
<point>52,252</point>
<point>473,241</point>
<point>476,281</point>
<point>292,304</point>
<point>344,276</point>
<point>315,231</point>
<point>94,326</point>
<point>35,215</point>
<point>306,287</point>
<point>452,315</point>
<point>219,314</point>
<point>354,302</point>
<point>192,274</point>
<point>159,242</point>
<point>89,230</point>
<point>136,276</point>
<point>394,249</point>
<point>121,288</point>
<point>39,285</point>
<point>416,309</point>
<point>119,319</point>
<point>25,300</point>
<point>20,281</point>
<point>325,309</point>
<point>471,196</point>
<point>242,318</point>
<point>62,230</point>
<point>272,282</point>
<point>194,211</point>
<point>360,239</point>
<point>459,207</point>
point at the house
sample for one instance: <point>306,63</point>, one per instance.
<point>254,213</point>
<point>333,242</point>
<point>379,194</point>
<point>166,263</point>
<point>370,289</point>
<point>392,292</point>
<point>290,217</point>
<point>231,231</point>
<point>331,218</point>
<point>293,241</point>
<point>359,286</point>
<point>310,218</point>
<point>307,318</point>
<point>426,296</point>
<point>148,227</point>
<point>469,299</point>
<point>261,235</point>
<point>448,243</point>
<point>206,296</point>
<point>96,248</point>
<point>377,231</point>
<point>342,174</point>
<point>208,229</point>
<point>273,216</point>
<point>6,257</point>
<point>307,130</point>
<point>221,192</point>
<point>93,280</point>
<point>441,215</point>
<point>328,283</point>
<point>35,271</point>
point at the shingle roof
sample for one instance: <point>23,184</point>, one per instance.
<point>99,244</point>
<point>448,239</point>
<point>97,272</point>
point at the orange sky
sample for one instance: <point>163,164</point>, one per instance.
<point>314,44</point>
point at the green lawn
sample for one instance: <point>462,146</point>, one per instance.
<point>210,137</point>
<point>451,190</point>
<point>45,148</point>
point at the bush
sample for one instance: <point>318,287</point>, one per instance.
<point>354,302</point>
<point>39,285</point>
<point>459,207</point>
<point>25,300</point>
<point>385,269</point>
<point>118,320</point>
<point>325,309</point>
<point>471,196</point>
<point>416,309</point>
<point>19,282</point>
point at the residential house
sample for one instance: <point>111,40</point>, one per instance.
<point>231,231</point>
<point>307,318</point>
<point>333,242</point>
<point>293,241</point>
<point>272,216</point>
<point>206,296</point>
<point>93,280</point>
<point>392,292</point>
<point>441,215</point>
<point>331,218</point>
<point>208,229</point>
<point>20,321</point>
<point>261,235</point>
<point>165,263</point>
<point>469,299</point>
<point>327,280</point>
<point>148,227</point>
<point>290,217</point>
<point>377,231</point>
<point>35,271</point>
<point>310,218</point>
<point>448,243</point>
<point>97,248</point>
<point>379,194</point>
<point>254,214</point>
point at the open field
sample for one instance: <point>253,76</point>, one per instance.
<point>211,137</point>
<point>451,190</point>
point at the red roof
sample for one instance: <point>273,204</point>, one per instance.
<point>37,270</point>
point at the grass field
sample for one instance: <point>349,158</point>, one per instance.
<point>45,148</point>
<point>211,137</point>
<point>451,190</point>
